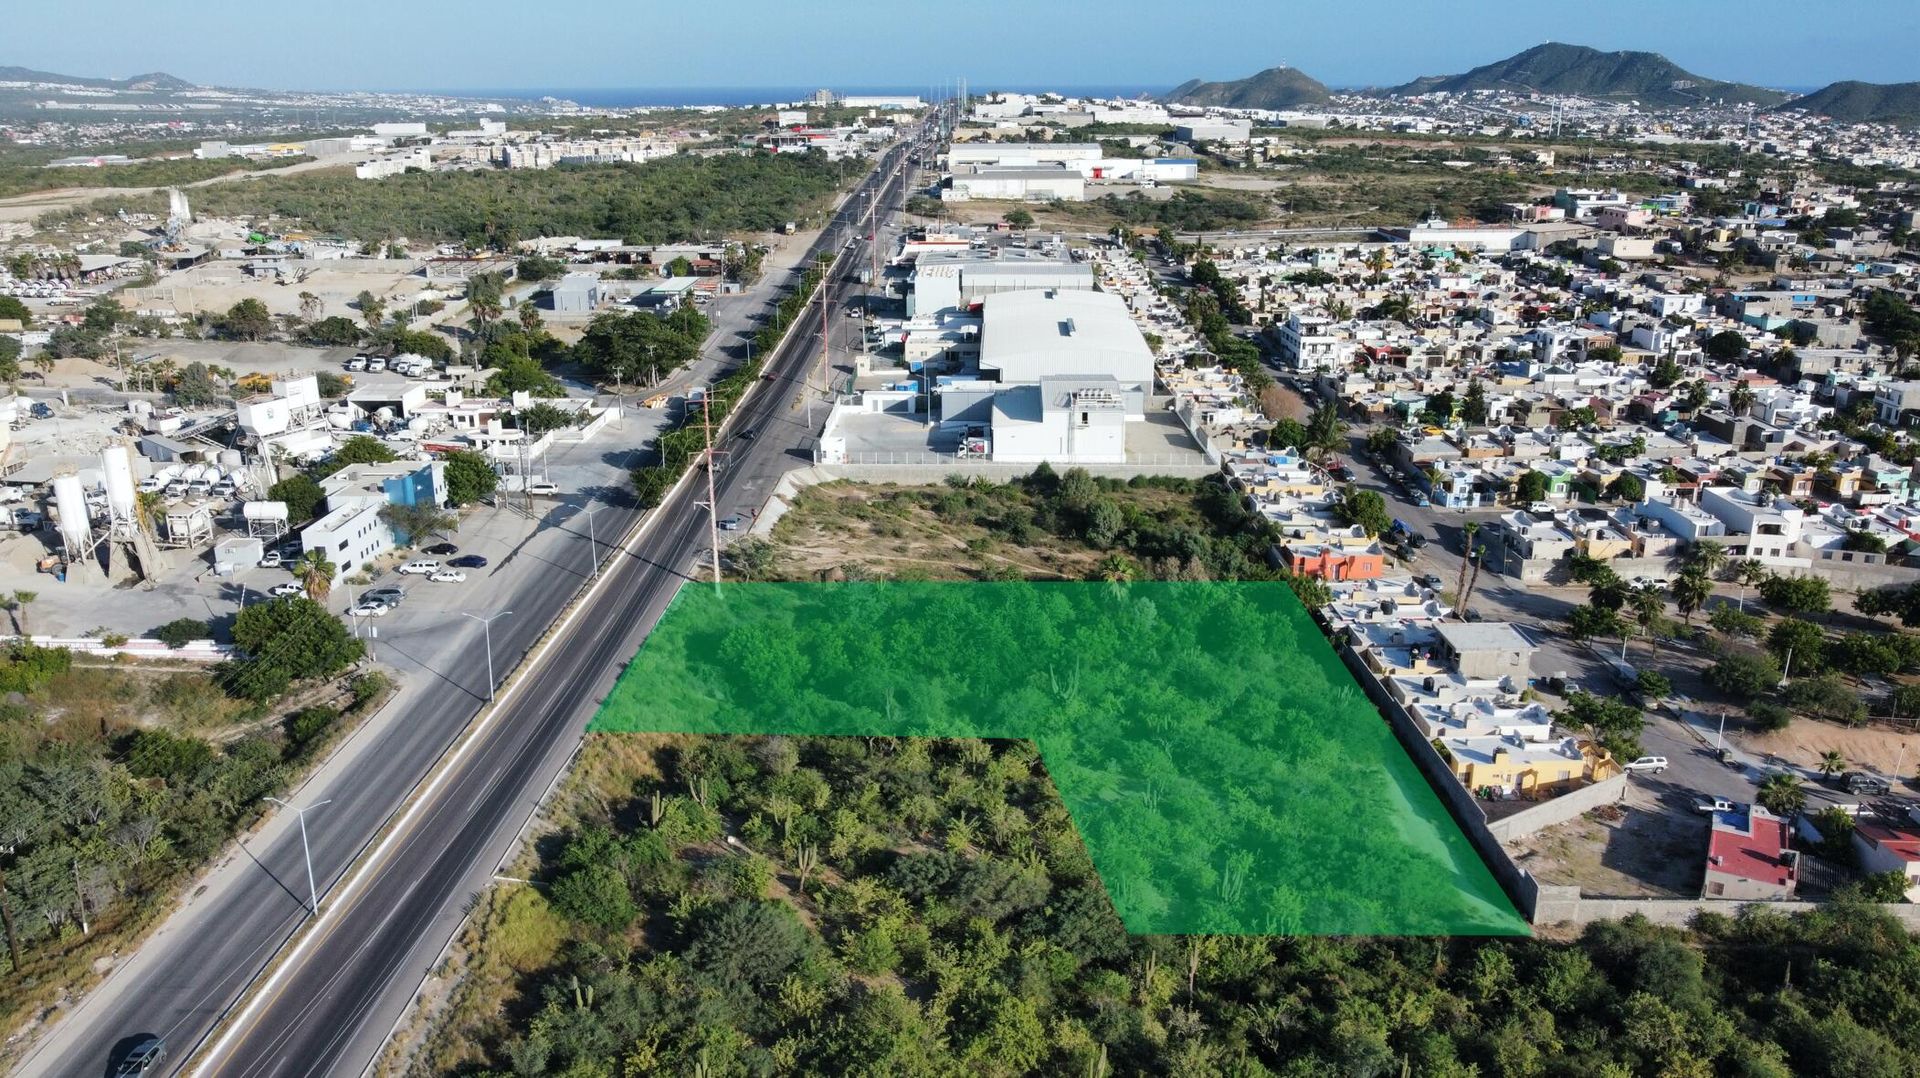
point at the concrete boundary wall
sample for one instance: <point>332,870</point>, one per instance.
<point>1466,812</point>
<point>1565,905</point>
<point>1559,809</point>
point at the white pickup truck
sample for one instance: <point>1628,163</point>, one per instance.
<point>1718,804</point>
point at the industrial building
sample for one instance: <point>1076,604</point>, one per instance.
<point>1060,373</point>
<point>1038,183</point>
<point>1214,131</point>
<point>957,279</point>
<point>1022,154</point>
<point>577,293</point>
<point>353,530</point>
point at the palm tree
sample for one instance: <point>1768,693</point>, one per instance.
<point>1466,556</point>
<point>21,601</point>
<point>149,507</point>
<point>1782,794</point>
<point>316,574</point>
<point>1832,763</point>
<point>1710,557</point>
<point>1748,573</point>
<point>1473,579</point>
<point>1690,591</point>
<point>1648,603</point>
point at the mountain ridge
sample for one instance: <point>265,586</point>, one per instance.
<point>152,80</point>
<point>1275,88</point>
<point>1579,70</point>
<point>1853,101</point>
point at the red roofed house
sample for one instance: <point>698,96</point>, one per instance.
<point>1890,847</point>
<point>1748,858</point>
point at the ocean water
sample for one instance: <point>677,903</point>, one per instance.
<point>681,96</point>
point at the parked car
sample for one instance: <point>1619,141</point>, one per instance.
<point>441,550</point>
<point>281,591</point>
<point>369,610</point>
<point>389,595</point>
<point>270,560</point>
<point>143,1058</point>
<point>1430,581</point>
<point>1540,509</point>
<point>543,488</point>
<point>420,567</point>
<point>448,576</point>
<point>1655,764</point>
<point>1422,501</point>
<point>732,523</point>
<point>357,363</point>
<point>1865,782</point>
<point>468,561</point>
<point>376,363</point>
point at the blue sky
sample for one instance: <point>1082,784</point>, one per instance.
<point>350,44</point>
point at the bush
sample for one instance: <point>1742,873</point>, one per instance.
<point>1827,697</point>
<point>311,723</point>
<point>469,477</point>
<point>1770,716</point>
<point>180,632</point>
<point>1744,675</point>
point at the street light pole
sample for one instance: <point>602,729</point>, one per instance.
<point>486,627</point>
<point>593,542</point>
<point>313,893</point>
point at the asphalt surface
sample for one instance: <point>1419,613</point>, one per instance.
<point>332,1013</point>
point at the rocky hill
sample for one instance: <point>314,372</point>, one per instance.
<point>1274,88</point>
<point>1647,77</point>
<point>1865,102</point>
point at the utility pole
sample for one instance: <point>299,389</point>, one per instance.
<point>713,505</point>
<point>593,543</point>
<point>486,627</point>
<point>313,894</point>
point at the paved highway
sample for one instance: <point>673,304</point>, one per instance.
<point>331,1011</point>
<point>188,976</point>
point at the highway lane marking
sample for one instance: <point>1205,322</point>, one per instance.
<point>344,895</point>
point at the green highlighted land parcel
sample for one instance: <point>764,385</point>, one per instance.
<point>1225,771</point>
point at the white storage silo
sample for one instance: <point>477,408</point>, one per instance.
<point>70,500</point>
<point>117,462</point>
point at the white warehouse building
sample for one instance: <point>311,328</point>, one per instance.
<point>1071,368</point>
<point>1017,183</point>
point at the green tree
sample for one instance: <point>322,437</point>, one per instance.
<point>1744,675</point>
<point>1627,487</point>
<point>333,332</point>
<point>517,374</point>
<point>196,386</point>
<point>470,478</point>
<point>1796,594</point>
<point>414,524</point>
<point>302,496</point>
<point>1473,407</point>
<point>536,267</point>
<point>1018,218</point>
<point>286,640</point>
<point>12,308</point>
<point>1726,345</point>
<point>1325,433</point>
<point>1690,591</point>
<point>1532,487</point>
<point>1611,722</point>
<point>249,320</point>
<point>1365,508</point>
<point>596,896</point>
<point>1804,641</point>
<point>372,308</point>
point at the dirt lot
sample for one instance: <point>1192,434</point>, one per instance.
<point>1640,850</point>
<point>1887,749</point>
<point>888,529</point>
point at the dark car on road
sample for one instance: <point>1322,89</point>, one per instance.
<point>468,561</point>
<point>1865,782</point>
<point>441,550</point>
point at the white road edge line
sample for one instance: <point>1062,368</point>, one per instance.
<point>342,895</point>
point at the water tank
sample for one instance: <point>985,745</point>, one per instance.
<point>70,501</point>
<point>117,461</point>
<point>383,416</point>
<point>339,420</point>
<point>419,424</point>
<point>264,511</point>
